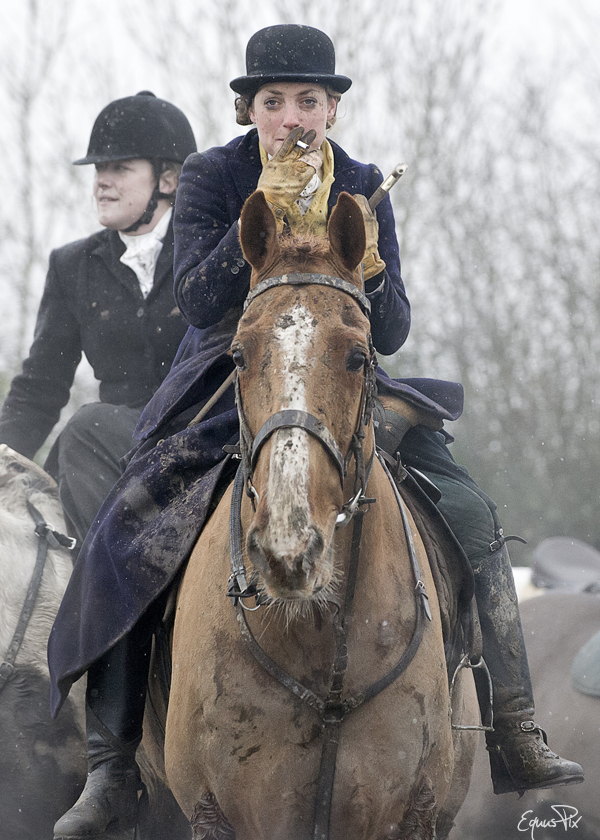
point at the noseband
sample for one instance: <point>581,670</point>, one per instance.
<point>293,418</point>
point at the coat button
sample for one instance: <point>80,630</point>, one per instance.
<point>140,312</point>
<point>235,270</point>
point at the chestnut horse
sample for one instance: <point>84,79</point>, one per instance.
<point>324,711</point>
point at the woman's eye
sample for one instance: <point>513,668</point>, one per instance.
<point>356,361</point>
<point>238,359</point>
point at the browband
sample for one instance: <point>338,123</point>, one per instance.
<point>302,279</point>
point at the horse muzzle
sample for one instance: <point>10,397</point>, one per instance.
<point>291,568</point>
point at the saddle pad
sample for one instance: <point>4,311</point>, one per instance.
<point>441,399</point>
<point>585,670</point>
<point>565,563</point>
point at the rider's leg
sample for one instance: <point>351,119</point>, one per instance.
<point>115,700</point>
<point>85,460</point>
<point>519,757</point>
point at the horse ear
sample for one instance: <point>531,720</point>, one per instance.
<point>258,231</point>
<point>346,231</point>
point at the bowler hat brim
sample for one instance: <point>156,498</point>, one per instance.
<point>251,84</point>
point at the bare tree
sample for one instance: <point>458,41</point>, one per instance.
<point>25,66</point>
<point>496,213</point>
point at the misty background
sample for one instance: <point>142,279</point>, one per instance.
<point>493,106</point>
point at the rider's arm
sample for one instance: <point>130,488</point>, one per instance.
<point>211,275</point>
<point>390,309</point>
<point>40,391</point>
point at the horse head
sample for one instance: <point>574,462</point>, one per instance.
<point>303,355</point>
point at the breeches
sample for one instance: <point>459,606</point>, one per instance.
<point>468,511</point>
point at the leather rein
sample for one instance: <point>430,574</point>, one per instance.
<point>334,708</point>
<point>49,537</point>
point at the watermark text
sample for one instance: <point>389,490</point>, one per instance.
<point>565,817</point>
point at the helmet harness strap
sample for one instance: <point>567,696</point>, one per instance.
<point>146,217</point>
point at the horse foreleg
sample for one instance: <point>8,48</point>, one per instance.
<point>420,817</point>
<point>208,821</point>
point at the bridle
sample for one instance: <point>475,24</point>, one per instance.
<point>49,537</point>
<point>334,708</point>
<point>250,445</point>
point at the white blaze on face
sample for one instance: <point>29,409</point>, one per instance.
<point>288,469</point>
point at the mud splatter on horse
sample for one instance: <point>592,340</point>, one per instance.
<point>340,658</point>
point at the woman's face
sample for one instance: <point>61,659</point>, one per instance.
<point>280,107</point>
<point>122,190</point>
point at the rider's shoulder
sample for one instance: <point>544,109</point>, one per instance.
<point>82,248</point>
<point>369,172</point>
<point>243,148</point>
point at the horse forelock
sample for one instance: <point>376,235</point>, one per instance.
<point>297,246</point>
<point>305,252</point>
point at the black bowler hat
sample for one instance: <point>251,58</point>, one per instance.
<point>140,126</point>
<point>289,53</point>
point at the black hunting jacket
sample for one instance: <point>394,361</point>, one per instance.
<point>92,304</point>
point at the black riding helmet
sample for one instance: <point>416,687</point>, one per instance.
<point>141,126</point>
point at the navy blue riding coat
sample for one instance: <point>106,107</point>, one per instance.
<point>150,521</point>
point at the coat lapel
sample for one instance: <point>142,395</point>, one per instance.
<point>109,250</point>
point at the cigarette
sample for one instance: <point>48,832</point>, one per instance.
<point>302,145</point>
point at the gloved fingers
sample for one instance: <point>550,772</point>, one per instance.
<point>308,138</point>
<point>289,145</point>
<point>364,206</point>
<point>290,150</point>
<point>371,225</point>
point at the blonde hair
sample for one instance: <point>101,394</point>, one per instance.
<point>244,101</point>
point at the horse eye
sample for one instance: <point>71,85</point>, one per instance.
<point>238,359</point>
<point>356,361</point>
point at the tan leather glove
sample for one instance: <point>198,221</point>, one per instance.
<point>372,263</point>
<point>287,173</point>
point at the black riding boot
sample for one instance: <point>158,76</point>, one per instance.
<point>115,699</point>
<point>519,756</point>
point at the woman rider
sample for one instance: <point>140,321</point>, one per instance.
<point>151,520</point>
<point>111,297</point>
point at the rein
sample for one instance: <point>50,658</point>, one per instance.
<point>332,709</point>
<point>49,538</point>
